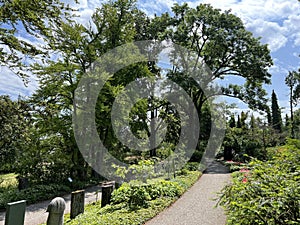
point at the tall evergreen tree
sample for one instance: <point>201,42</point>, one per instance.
<point>238,123</point>
<point>232,121</point>
<point>276,113</point>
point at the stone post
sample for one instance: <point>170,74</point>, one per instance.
<point>56,210</point>
<point>15,213</point>
<point>77,203</point>
<point>22,182</point>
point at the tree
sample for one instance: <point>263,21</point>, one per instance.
<point>292,80</point>
<point>15,118</point>
<point>34,17</point>
<point>276,113</point>
<point>238,123</point>
<point>78,47</point>
<point>297,123</point>
<point>232,121</point>
<point>221,40</point>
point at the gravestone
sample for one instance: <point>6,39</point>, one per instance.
<point>15,213</point>
<point>107,189</point>
<point>56,210</point>
<point>22,183</point>
<point>77,203</point>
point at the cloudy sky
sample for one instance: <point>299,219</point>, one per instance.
<point>277,22</point>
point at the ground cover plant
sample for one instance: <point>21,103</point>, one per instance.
<point>136,202</point>
<point>268,193</point>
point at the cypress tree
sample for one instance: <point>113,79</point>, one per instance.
<point>239,124</point>
<point>232,121</point>
<point>276,114</point>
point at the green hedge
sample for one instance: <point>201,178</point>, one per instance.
<point>32,194</point>
<point>269,193</point>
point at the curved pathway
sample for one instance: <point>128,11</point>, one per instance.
<point>197,205</point>
<point>36,214</point>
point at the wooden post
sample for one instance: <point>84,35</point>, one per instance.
<point>15,213</point>
<point>107,189</point>
<point>77,203</point>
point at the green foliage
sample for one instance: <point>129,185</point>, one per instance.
<point>236,166</point>
<point>14,123</point>
<point>276,114</point>
<point>34,18</point>
<point>143,170</point>
<point>32,194</point>
<point>224,44</point>
<point>250,138</point>
<point>269,193</point>
<point>8,181</point>
<point>139,194</point>
<point>120,213</point>
<point>292,80</point>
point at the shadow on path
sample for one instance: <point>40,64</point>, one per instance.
<point>216,168</point>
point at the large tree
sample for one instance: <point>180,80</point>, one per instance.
<point>221,40</point>
<point>15,118</point>
<point>78,47</point>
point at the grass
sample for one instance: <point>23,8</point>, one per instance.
<point>8,180</point>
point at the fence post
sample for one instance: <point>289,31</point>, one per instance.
<point>15,213</point>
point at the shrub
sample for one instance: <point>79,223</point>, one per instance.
<point>138,194</point>
<point>118,213</point>
<point>33,194</point>
<point>269,194</point>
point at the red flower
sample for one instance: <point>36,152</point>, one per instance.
<point>245,180</point>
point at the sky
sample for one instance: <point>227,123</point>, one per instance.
<point>277,22</point>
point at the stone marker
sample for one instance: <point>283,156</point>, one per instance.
<point>107,189</point>
<point>77,203</point>
<point>56,210</point>
<point>22,183</point>
<point>15,213</point>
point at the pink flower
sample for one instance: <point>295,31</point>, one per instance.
<point>244,170</point>
<point>245,180</point>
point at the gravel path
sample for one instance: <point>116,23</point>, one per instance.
<point>196,206</point>
<point>36,213</point>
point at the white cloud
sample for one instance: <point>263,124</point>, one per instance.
<point>276,21</point>
<point>271,33</point>
<point>11,84</point>
<point>292,25</point>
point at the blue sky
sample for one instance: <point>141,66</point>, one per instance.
<point>276,21</point>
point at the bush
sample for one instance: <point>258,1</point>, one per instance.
<point>118,213</point>
<point>138,195</point>
<point>269,194</point>
<point>33,194</point>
